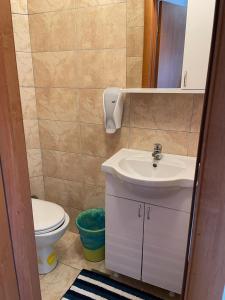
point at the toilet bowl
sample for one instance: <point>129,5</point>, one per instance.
<point>50,223</point>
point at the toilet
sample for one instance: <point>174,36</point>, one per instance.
<point>50,223</point>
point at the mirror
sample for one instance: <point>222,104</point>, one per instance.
<point>165,23</point>
<point>176,44</point>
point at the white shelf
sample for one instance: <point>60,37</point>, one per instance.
<point>160,91</point>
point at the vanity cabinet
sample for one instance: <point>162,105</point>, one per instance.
<point>199,25</point>
<point>146,237</point>
<point>164,247</point>
<point>124,236</point>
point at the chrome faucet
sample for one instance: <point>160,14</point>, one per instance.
<point>157,154</point>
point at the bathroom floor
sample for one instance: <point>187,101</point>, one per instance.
<point>71,261</point>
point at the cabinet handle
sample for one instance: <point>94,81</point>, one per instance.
<point>148,213</point>
<point>185,79</point>
<point>139,211</point>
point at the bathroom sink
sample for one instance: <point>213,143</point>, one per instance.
<point>136,167</point>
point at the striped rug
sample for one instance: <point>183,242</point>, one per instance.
<point>91,285</point>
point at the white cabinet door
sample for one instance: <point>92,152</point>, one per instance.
<point>200,15</point>
<point>164,249</point>
<point>124,236</point>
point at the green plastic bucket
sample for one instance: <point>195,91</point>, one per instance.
<point>91,226</point>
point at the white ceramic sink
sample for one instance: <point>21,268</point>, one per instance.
<point>136,167</point>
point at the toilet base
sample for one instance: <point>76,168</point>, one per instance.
<point>47,259</point>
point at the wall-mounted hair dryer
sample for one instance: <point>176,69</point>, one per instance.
<point>113,100</point>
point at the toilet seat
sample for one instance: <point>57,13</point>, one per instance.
<point>47,216</point>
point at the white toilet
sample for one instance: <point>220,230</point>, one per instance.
<point>50,223</point>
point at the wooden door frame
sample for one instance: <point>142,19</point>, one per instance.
<point>9,286</point>
<point>206,268</point>
<point>14,167</point>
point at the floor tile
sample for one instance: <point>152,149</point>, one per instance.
<point>56,283</point>
<point>65,242</point>
<point>73,256</point>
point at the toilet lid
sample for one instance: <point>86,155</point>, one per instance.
<point>47,216</point>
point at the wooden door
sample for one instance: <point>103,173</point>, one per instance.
<point>8,281</point>
<point>170,48</point>
<point>164,248</point>
<point>15,169</point>
<point>206,268</point>
<point>124,236</point>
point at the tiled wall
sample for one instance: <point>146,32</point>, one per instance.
<point>170,119</point>
<point>79,47</point>
<point>73,151</point>
<point>27,93</point>
<point>135,34</point>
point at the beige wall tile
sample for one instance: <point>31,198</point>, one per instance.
<point>92,170</point>
<point>90,68</point>
<point>57,104</point>
<point>172,141</point>
<point>193,140</point>
<point>84,69</point>
<point>36,6</point>
<point>19,6</point>
<point>162,111</point>
<point>61,136</point>
<point>56,31</point>
<point>135,39</point>
<point>50,69</point>
<point>90,102</point>
<point>197,113</point>
<point>37,187</point>
<point>115,67</point>
<point>101,27</point>
<point>64,192</point>
<point>135,13</point>
<point>28,102</point>
<point>134,72</point>
<point>86,3</point>
<point>96,142</point>
<point>31,134</point>
<point>90,26</point>
<point>54,285</point>
<point>114,28</point>
<point>25,69</point>
<point>21,32</point>
<point>94,197</point>
<point>34,162</point>
<point>126,111</point>
<point>62,165</point>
